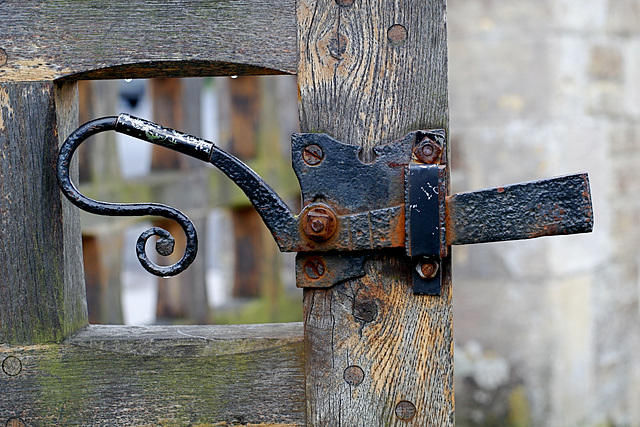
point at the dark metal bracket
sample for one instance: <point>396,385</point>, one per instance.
<point>351,209</point>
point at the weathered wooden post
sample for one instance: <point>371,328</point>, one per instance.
<point>376,354</point>
<point>42,294</point>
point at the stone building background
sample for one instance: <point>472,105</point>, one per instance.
<point>548,331</point>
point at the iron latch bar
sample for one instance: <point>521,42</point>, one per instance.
<point>352,209</point>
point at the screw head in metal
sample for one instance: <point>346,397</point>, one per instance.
<point>319,222</point>
<point>427,269</point>
<point>405,410</point>
<point>427,151</point>
<point>312,155</point>
<point>11,366</point>
<point>314,268</point>
<point>353,375</point>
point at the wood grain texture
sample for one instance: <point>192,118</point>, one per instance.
<point>50,39</point>
<point>362,84</point>
<point>42,294</point>
<point>171,375</point>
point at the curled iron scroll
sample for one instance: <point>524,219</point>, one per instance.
<point>165,244</point>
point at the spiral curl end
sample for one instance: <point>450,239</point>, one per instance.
<point>164,246</point>
<point>166,242</point>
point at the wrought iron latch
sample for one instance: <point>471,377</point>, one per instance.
<point>351,209</point>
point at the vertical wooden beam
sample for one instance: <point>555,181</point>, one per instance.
<point>376,354</point>
<point>42,295</point>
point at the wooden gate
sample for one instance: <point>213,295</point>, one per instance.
<point>368,73</point>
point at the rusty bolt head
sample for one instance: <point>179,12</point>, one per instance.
<point>319,222</point>
<point>312,155</point>
<point>427,151</point>
<point>427,269</point>
<point>314,268</point>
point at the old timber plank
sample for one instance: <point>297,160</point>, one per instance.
<point>42,294</point>
<point>160,375</point>
<point>369,72</point>
<point>50,39</point>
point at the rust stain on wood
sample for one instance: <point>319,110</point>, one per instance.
<point>362,89</point>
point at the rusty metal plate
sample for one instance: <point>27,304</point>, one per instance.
<point>324,270</point>
<point>526,210</point>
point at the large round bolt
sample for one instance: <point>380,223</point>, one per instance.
<point>427,151</point>
<point>319,222</point>
<point>312,154</point>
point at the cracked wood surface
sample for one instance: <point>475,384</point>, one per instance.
<point>369,73</point>
<point>42,294</point>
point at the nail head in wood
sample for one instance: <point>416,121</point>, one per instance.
<point>312,155</point>
<point>11,366</point>
<point>353,375</point>
<point>15,422</point>
<point>405,410</point>
<point>397,34</point>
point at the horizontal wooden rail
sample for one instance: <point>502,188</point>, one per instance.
<point>147,375</point>
<point>47,40</point>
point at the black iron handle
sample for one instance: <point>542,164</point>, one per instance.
<point>275,213</point>
<point>164,245</point>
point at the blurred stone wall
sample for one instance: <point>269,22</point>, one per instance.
<point>548,331</point>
